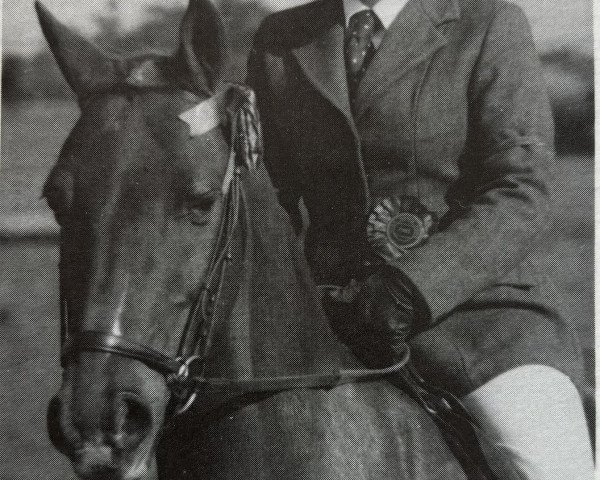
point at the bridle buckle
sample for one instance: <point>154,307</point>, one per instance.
<point>182,376</point>
<point>182,385</point>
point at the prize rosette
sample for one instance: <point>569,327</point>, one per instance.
<point>397,224</point>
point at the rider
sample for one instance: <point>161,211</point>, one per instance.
<point>418,135</point>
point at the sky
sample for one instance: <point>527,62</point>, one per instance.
<point>555,23</point>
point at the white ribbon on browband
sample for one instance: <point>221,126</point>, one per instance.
<point>236,104</point>
<point>204,117</point>
<point>207,115</point>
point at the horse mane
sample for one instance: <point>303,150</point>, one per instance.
<point>285,303</point>
<point>276,325</point>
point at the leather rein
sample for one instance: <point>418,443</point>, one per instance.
<point>184,371</point>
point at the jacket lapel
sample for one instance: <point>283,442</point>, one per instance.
<point>412,38</point>
<point>322,57</point>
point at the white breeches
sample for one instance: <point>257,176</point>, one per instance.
<point>534,415</point>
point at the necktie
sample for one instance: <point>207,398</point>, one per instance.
<point>359,46</point>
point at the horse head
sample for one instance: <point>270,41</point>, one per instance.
<point>139,203</point>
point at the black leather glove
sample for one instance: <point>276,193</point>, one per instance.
<point>375,318</point>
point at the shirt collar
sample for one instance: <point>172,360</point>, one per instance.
<point>386,10</point>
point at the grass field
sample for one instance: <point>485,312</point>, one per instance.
<point>31,138</point>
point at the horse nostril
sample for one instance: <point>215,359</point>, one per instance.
<point>53,422</point>
<point>134,420</point>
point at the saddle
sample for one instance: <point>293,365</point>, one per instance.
<point>458,428</point>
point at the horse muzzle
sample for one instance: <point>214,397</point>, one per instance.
<point>123,454</point>
<point>107,433</point>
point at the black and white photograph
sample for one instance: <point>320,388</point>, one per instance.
<point>297,240</point>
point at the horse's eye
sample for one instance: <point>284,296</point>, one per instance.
<point>201,206</point>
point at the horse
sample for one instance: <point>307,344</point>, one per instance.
<point>177,262</point>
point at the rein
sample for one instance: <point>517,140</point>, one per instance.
<point>185,371</point>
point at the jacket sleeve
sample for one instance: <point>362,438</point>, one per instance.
<point>283,171</point>
<point>503,187</point>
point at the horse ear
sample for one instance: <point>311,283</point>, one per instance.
<point>85,68</point>
<point>202,48</point>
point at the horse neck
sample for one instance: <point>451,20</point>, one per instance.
<point>276,325</point>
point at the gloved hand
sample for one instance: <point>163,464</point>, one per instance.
<point>374,318</point>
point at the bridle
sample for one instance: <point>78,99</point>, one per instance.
<point>184,371</point>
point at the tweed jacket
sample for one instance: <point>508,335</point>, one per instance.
<point>452,109</point>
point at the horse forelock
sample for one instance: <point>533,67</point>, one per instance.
<point>146,72</point>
